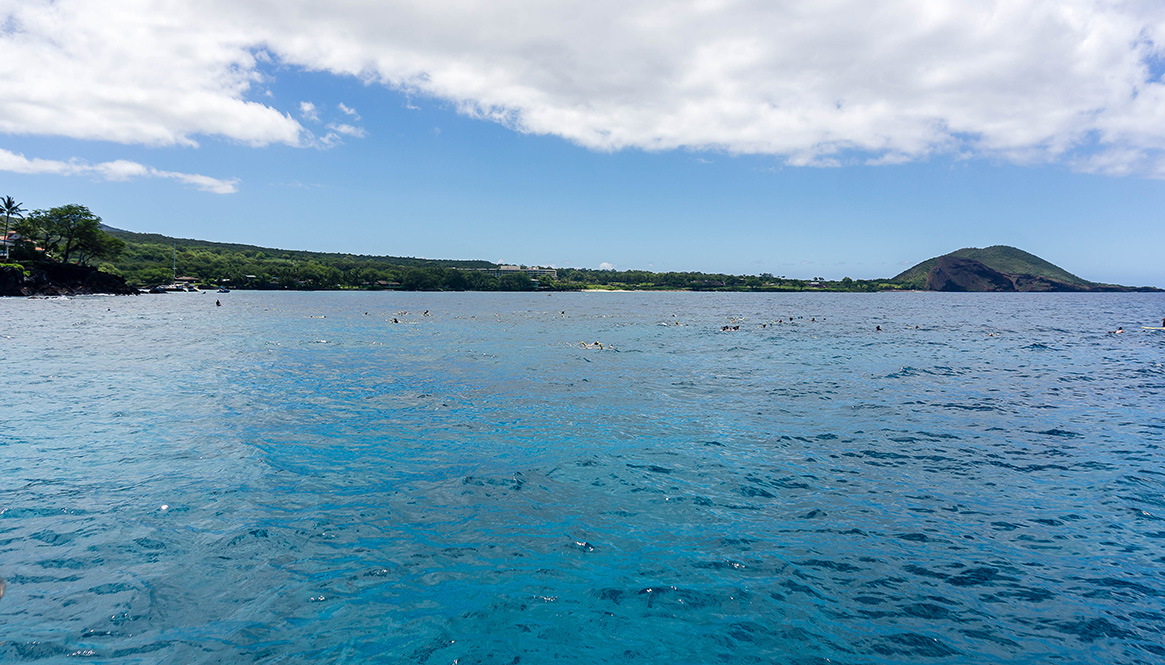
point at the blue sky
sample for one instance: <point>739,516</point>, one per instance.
<point>685,136</point>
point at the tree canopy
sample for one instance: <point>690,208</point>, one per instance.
<point>68,232</point>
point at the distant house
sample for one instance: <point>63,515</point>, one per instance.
<point>11,240</point>
<point>533,273</point>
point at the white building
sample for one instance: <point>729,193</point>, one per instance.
<point>532,273</point>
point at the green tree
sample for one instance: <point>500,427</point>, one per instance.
<point>480,281</point>
<point>516,282</point>
<point>70,232</point>
<point>419,279</point>
<point>100,245</point>
<point>36,235</point>
<point>455,279</point>
<point>154,276</point>
<point>10,208</point>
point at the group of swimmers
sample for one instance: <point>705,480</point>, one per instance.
<point>731,327</point>
<point>733,323</point>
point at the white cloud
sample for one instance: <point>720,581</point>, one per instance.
<point>336,131</point>
<point>334,136</point>
<point>325,142</point>
<point>309,112</point>
<point>606,265</point>
<point>117,170</point>
<point>155,72</point>
<point>815,83</point>
<point>347,130</point>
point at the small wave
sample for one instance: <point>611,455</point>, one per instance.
<point>928,611</point>
<point>38,650</point>
<point>924,572</point>
<point>1090,630</point>
<point>726,564</point>
<point>1112,587</point>
<point>969,407</point>
<point>911,644</point>
<point>938,370</point>
<point>983,575</point>
<point>650,467</point>
<point>839,566</point>
<point>1060,433</point>
<point>1026,594</point>
<point>878,454</point>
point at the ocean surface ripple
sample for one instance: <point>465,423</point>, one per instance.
<point>293,477</point>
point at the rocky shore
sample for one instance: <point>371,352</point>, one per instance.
<point>44,278</point>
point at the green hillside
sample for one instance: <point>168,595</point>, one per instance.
<point>150,258</point>
<point>1005,259</point>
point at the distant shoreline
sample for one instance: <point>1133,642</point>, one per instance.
<point>707,291</point>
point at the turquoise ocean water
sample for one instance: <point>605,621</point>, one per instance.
<point>292,477</point>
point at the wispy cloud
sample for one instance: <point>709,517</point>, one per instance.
<point>334,136</point>
<point>347,130</point>
<point>118,170</point>
<point>335,131</point>
<point>308,111</point>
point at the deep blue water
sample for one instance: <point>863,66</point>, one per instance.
<point>981,481</point>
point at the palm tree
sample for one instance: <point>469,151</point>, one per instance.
<point>10,208</point>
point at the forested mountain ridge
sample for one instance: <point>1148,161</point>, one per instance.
<point>190,243</point>
<point>150,258</point>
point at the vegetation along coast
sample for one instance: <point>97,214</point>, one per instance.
<point>67,250</point>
